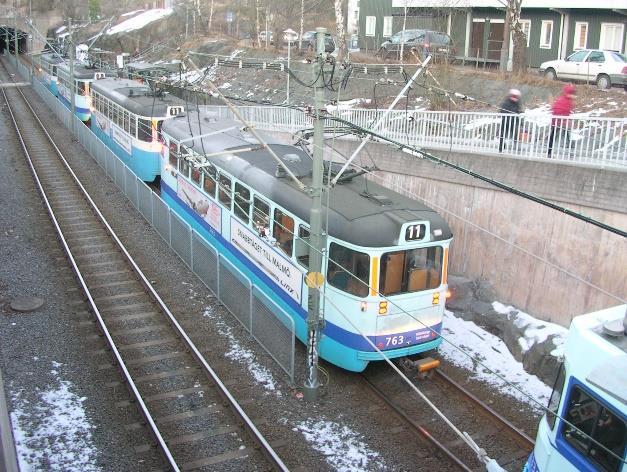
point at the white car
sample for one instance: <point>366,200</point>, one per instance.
<point>605,68</point>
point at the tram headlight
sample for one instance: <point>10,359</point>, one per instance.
<point>363,306</point>
<point>383,308</point>
<point>436,298</point>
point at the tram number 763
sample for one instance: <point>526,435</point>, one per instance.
<point>394,340</point>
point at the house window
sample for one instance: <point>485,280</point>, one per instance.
<point>525,26</point>
<point>546,34</point>
<point>581,36</point>
<point>611,36</point>
<point>371,24</point>
<point>387,26</point>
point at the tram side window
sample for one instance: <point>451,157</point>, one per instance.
<point>412,270</point>
<point>593,420</point>
<point>196,175</point>
<point>224,192</point>
<point>302,246</point>
<point>144,130</point>
<point>283,231</point>
<point>556,396</point>
<point>209,184</point>
<point>81,88</point>
<point>261,216</point>
<point>242,203</point>
<point>133,126</point>
<point>174,154</point>
<point>184,166</point>
<point>348,270</point>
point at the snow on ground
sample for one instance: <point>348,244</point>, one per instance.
<point>242,355</point>
<point>141,20</point>
<point>131,13</point>
<point>342,447</point>
<point>491,351</point>
<point>348,104</point>
<point>536,331</point>
<point>54,433</point>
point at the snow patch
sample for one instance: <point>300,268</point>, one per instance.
<point>342,447</point>
<point>491,351</point>
<point>348,104</point>
<point>141,20</point>
<point>55,433</point>
<point>242,355</point>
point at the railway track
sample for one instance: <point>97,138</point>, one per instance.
<point>196,422</point>
<point>500,438</point>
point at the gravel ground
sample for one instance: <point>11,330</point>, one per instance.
<point>344,410</point>
<point>48,355</point>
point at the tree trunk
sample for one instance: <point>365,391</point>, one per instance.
<point>520,40</point>
<point>258,28</point>
<point>210,15</point>
<point>339,26</point>
<point>302,24</point>
<point>505,45</point>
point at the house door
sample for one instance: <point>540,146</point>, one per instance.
<point>495,40</point>
<point>476,40</point>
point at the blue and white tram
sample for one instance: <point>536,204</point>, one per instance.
<point>48,65</point>
<point>127,116</point>
<point>226,187</point>
<point>83,77</point>
<point>590,393</point>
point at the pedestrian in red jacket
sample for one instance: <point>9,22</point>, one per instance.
<point>562,107</point>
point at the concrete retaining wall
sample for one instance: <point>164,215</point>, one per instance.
<point>515,244</point>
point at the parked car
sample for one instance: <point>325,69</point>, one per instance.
<point>309,42</point>
<point>439,44</point>
<point>605,68</point>
<point>266,34</point>
<point>289,35</point>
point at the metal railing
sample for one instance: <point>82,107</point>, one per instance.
<point>267,322</point>
<point>599,142</point>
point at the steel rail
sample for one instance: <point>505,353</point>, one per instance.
<point>421,429</point>
<point>142,406</point>
<point>255,434</point>
<point>514,431</point>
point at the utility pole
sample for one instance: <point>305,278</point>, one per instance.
<point>289,47</point>
<point>314,277</point>
<point>30,38</point>
<point>17,50</point>
<point>72,97</point>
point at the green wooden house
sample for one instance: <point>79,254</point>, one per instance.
<point>554,28</point>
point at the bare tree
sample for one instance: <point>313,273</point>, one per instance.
<point>340,30</point>
<point>512,25</point>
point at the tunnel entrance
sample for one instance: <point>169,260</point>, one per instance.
<point>8,32</point>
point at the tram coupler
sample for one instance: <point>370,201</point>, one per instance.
<point>423,367</point>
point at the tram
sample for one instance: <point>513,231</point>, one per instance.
<point>585,428</point>
<point>84,76</point>
<point>48,65</point>
<point>127,116</point>
<point>386,270</point>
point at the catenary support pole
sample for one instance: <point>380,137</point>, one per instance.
<point>72,97</point>
<point>314,277</point>
<point>289,47</point>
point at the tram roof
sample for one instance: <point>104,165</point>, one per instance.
<point>362,212</point>
<point>597,357</point>
<point>136,97</point>
<point>81,71</point>
<point>52,58</point>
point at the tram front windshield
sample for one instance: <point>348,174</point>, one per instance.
<point>412,270</point>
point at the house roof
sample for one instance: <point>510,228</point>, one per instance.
<point>565,4</point>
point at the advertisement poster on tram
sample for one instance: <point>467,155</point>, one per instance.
<point>102,123</point>
<point>120,137</point>
<point>260,253</point>
<point>205,208</point>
